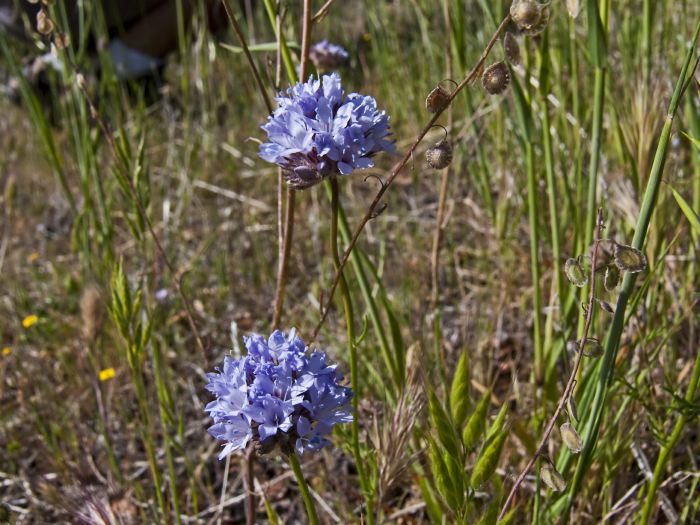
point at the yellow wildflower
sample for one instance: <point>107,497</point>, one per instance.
<point>107,373</point>
<point>29,321</point>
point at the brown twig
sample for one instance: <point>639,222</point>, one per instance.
<point>322,12</point>
<point>291,194</point>
<point>444,180</point>
<point>473,75</point>
<point>147,221</point>
<point>568,391</point>
<point>246,51</point>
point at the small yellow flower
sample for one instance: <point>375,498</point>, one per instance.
<point>29,321</point>
<point>33,257</point>
<point>106,374</point>
<point>6,351</point>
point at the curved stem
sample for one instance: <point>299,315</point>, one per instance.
<point>571,383</point>
<point>304,488</point>
<point>370,213</point>
<point>354,374</point>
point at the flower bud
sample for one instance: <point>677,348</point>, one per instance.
<point>552,478</point>
<point>440,155</point>
<point>512,49</point>
<point>574,7</point>
<point>437,100</point>
<point>571,438</point>
<point>496,78</point>
<point>629,259</point>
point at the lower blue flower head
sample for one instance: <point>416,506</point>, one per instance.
<point>277,395</point>
<point>317,131</point>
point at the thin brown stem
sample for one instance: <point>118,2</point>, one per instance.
<point>471,77</point>
<point>571,383</point>
<point>323,11</point>
<point>248,466</point>
<point>444,180</point>
<point>104,126</point>
<point>246,51</point>
<point>291,194</point>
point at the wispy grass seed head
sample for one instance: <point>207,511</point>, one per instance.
<point>277,395</point>
<point>317,131</point>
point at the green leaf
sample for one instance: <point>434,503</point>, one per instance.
<point>486,464</point>
<point>266,47</point>
<point>689,213</point>
<point>443,425</point>
<point>441,475</point>
<point>693,140</point>
<point>597,46</point>
<point>497,426</point>
<point>459,393</point>
<point>476,425</point>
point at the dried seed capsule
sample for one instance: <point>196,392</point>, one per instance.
<point>440,155</point>
<point>592,347</point>
<point>605,255</point>
<point>512,49</point>
<point>437,100</point>
<point>571,438</point>
<point>612,277</point>
<point>43,23</point>
<point>541,24</point>
<point>575,273</point>
<point>606,306</point>
<point>552,478</point>
<point>496,78</point>
<point>530,16</point>
<point>525,13</point>
<point>629,259</point>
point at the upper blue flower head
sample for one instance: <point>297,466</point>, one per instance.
<point>317,131</point>
<point>277,395</point>
<point>326,56</point>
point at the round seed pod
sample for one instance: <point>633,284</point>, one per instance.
<point>512,49</point>
<point>552,478</point>
<point>437,100</point>
<point>612,277</point>
<point>575,273</point>
<point>496,78</point>
<point>571,438</point>
<point>440,155</point>
<point>525,13</point>
<point>629,259</point>
<point>43,23</point>
<point>592,348</point>
<point>538,27</point>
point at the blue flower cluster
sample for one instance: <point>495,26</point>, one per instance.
<point>277,395</point>
<point>317,131</point>
<point>326,56</point>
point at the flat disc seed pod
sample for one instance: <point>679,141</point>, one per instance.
<point>512,49</point>
<point>437,100</point>
<point>440,155</point>
<point>496,78</point>
<point>629,259</point>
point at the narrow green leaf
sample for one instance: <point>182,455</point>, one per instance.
<point>476,425</point>
<point>689,213</point>
<point>597,46</point>
<point>443,426</point>
<point>497,426</point>
<point>441,475</point>
<point>486,464</point>
<point>693,140</point>
<point>459,393</point>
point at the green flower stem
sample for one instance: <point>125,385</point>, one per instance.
<point>354,373</point>
<point>615,333</point>
<point>304,488</point>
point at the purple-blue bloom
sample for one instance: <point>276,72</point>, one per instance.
<point>278,394</point>
<point>326,56</point>
<point>317,132</point>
